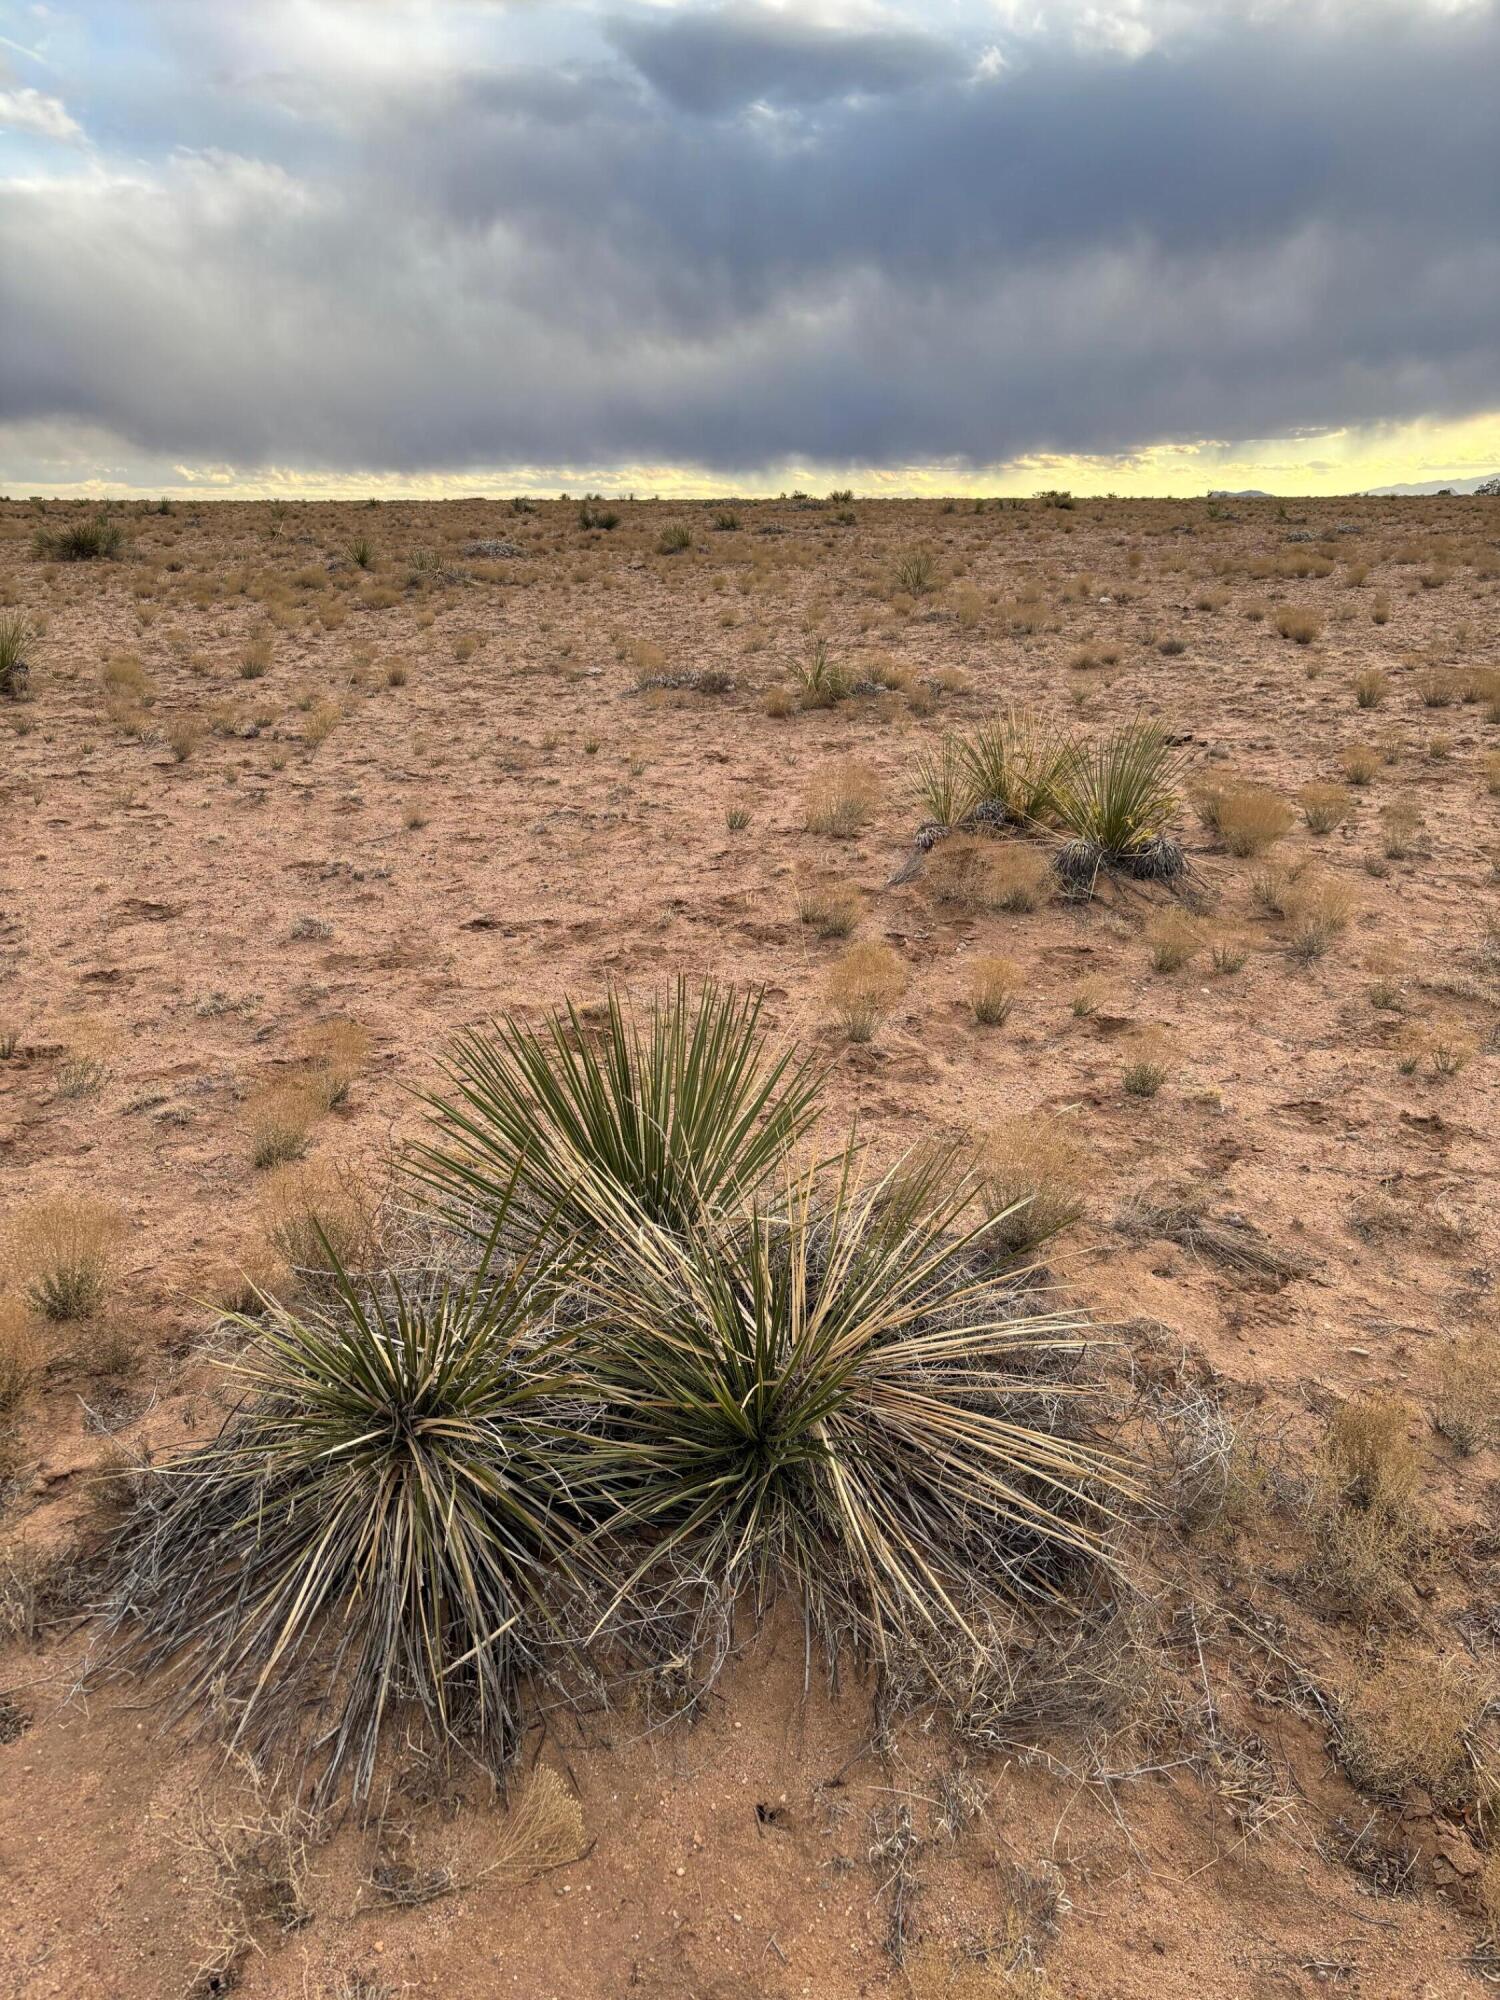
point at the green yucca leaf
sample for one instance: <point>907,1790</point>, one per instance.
<point>681,1107</point>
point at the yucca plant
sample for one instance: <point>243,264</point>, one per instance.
<point>371,1533</point>
<point>1115,799</point>
<point>17,636</point>
<point>682,1107</point>
<point>82,541</point>
<point>1012,764</point>
<point>829,1396</point>
<point>942,785</point>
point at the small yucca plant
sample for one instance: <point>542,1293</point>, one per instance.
<point>942,784</point>
<point>17,637</point>
<point>83,541</point>
<point>371,1533</point>
<point>1116,798</point>
<point>1012,764</point>
<point>827,1396</point>
<point>681,1107</point>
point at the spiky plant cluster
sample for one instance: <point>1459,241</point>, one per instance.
<point>682,1108</point>
<point>690,1369</point>
<point>374,1530</point>
<point>17,637</point>
<point>1110,802</point>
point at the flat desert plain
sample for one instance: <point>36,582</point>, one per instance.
<point>299,791</point>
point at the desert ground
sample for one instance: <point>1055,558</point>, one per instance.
<point>286,778</point>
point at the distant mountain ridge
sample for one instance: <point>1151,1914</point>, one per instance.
<point>1486,488</point>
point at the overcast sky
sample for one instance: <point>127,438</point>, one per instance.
<point>439,245</point>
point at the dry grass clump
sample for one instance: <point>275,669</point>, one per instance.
<point>1401,827</point>
<point>830,909</point>
<point>1033,1178</point>
<point>87,1059</point>
<point>1324,806</point>
<point>984,874</point>
<point>1318,910</point>
<point>841,800</point>
<point>1363,1507</point>
<point>1146,1068</point>
<point>280,1120</point>
<point>864,986</point>
<point>320,722</point>
<point>62,1252</point>
<point>20,1357</point>
<point>1361,762</point>
<point>1174,939</point>
<point>320,1217</point>
<point>993,984</point>
<point>183,734</point>
<point>1467,1406</point>
<point>1371,686</point>
<point>337,1051</point>
<point>1412,1722</point>
<point>1246,817</point>
<point>1299,624</point>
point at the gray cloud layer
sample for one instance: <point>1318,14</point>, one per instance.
<point>731,239</point>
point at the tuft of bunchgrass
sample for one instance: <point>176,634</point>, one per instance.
<point>368,1538</point>
<point>864,986</point>
<point>1033,1179</point>
<point>62,1251</point>
<point>993,986</point>
<point>681,1104</point>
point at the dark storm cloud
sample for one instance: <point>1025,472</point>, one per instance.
<point>736,55</point>
<point>1263,228</point>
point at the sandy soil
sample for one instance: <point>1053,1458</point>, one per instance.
<point>508,819</point>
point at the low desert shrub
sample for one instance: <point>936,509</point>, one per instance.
<point>1467,1406</point>
<point>1115,799</point>
<point>1174,939</point>
<point>337,1051</point>
<point>93,540</point>
<point>319,1218</point>
<point>1298,623</point>
<point>1317,911</point>
<point>1248,818</point>
<point>824,1400</point>
<point>915,573</point>
<point>17,640</point>
<point>830,909</point>
<point>1013,763</point>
